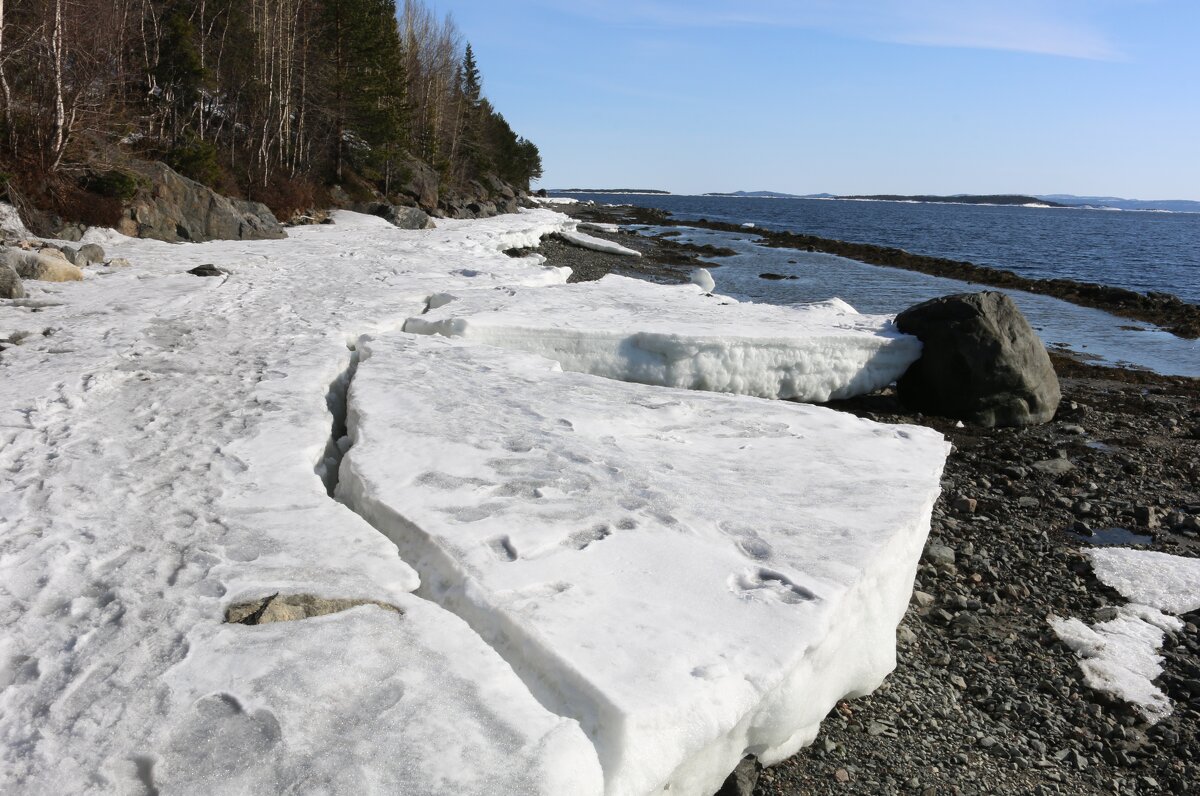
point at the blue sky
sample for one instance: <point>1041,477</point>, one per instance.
<point>1098,97</point>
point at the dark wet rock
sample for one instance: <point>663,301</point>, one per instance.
<point>776,277</point>
<point>743,779</point>
<point>207,269</point>
<point>981,362</point>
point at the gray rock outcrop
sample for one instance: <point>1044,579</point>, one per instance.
<point>400,216</point>
<point>10,283</point>
<point>982,362</point>
<point>176,209</point>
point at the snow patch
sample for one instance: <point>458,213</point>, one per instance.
<point>1160,580</point>
<point>1120,657</point>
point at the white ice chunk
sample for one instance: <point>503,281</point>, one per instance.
<point>675,336</point>
<point>692,576</point>
<point>597,244</point>
<point>596,226</point>
<point>1120,657</point>
<point>702,279</point>
<point>1160,580</point>
<point>424,707</point>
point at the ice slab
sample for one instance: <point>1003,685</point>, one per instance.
<point>442,712</point>
<point>676,336</point>
<point>597,244</point>
<point>692,576</point>
<point>1160,580</point>
<point>1120,657</point>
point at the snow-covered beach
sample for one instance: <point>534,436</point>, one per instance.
<point>618,587</point>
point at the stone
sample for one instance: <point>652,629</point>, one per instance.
<point>41,267</point>
<point>118,262</point>
<point>400,216</point>
<point>965,505</point>
<point>744,778</point>
<point>176,209</point>
<point>982,362</point>
<point>1146,516</point>
<point>940,554</point>
<point>422,184</point>
<point>90,253</point>
<point>10,284</point>
<point>1053,466</point>
<point>208,269</point>
<point>293,608</point>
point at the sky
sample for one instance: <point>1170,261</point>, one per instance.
<point>1090,97</point>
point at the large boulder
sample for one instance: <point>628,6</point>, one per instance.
<point>49,265</point>
<point>89,253</point>
<point>422,184</point>
<point>399,215</point>
<point>982,362</point>
<point>10,283</point>
<point>176,209</point>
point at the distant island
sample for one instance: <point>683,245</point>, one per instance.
<point>609,190</point>
<point>964,199</point>
<point>1116,203</point>
<point>772,195</point>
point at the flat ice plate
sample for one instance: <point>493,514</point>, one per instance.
<point>677,336</point>
<point>692,576</point>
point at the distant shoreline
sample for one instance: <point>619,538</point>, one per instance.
<point>1183,207</point>
<point>1166,311</point>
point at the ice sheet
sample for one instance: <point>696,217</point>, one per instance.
<point>597,244</point>
<point>1160,580</point>
<point>160,441</point>
<point>692,576</point>
<point>676,336</point>
<point>1120,657</point>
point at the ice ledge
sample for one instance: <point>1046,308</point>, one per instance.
<point>676,336</point>
<point>690,576</point>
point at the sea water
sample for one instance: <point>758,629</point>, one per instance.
<point>963,232</point>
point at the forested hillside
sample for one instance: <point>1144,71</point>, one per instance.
<point>271,100</point>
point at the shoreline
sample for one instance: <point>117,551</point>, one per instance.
<point>985,698</point>
<point>1166,311</point>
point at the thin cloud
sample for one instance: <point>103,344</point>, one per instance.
<point>1046,27</point>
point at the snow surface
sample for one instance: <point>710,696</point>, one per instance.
<point>1163,581</point>
<point>159,440</point>
<point>165,453</point>
<point>692,576</point>
<point>676,336</point>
